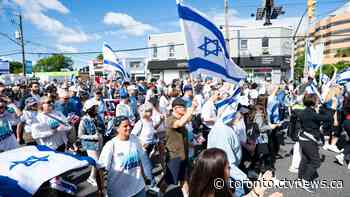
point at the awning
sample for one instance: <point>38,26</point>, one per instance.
<point>167,64</point>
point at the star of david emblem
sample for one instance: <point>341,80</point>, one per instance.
<point>208,46</point>
<point>29,161</point>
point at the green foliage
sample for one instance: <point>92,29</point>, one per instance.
<point>16,67</point>
<point>328,69</point>
<point>299,66</point>
<point>100,56</point>
<point>343,52</point>
<point>53,63</point>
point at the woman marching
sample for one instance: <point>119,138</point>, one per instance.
<point>310,139</point>
<point>125,162</point>
<point>91,140</point>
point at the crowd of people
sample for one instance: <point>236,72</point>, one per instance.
<point>128,128</point>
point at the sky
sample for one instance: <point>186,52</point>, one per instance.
<point>56,26</point>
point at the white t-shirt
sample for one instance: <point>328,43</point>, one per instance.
<point>122,160</point>
<point>28,118</point>
<point>47,136</point>
<point>163,104</point>
<point>156,118</point>
<point>240,129</point>
<point>145,131</point>
<point>200,101</point>
<point>208,112</point>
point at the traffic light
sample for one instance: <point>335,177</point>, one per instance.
<point>311,8</point>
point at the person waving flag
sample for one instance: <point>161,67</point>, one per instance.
<point>111,63</point>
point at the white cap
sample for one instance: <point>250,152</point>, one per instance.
<point>73,89</point>
<point>89,104</point>
<point>63,94</point>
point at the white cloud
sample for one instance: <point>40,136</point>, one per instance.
<point>64,48</point>
<point>128,24</point>
<point>34,10</point>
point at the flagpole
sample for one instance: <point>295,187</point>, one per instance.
<point>227,33</point>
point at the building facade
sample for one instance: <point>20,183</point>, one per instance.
<point>263,52</point>
<point>334,32</point>
<point>168,57</point>
<point>135,65</point>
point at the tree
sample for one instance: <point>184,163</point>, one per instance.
<point>53,63</point>
<point>299,66</point>
<point>100,56</point>
<point>328,69</point>
<point>16,67</point>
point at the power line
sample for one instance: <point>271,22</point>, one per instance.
<point>163,46</point>
<point>9,38</point>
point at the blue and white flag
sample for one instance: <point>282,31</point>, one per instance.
<point>110,62</point>
<point>24,170</point>
<point>314,56</point>
<point>206,47</point>
<point>228,101</point>
<point>312,89</point>
<point>324,78</point>
<point>227,108</point>
<point>344,76</point>
<point>228,113</point>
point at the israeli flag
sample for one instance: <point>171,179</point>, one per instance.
<point>111,64</point>
<point>206,47</point>
<point>229,113</point>
<point>344,76</point>
<point>24,170</point>
<point>312,89</point>
<point>228,101</point>
<point>324,78</point>
<point>314,56</point>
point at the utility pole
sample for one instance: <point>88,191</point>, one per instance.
<point>22,43</point>
<point>227,34</point>
<point>292,61</point>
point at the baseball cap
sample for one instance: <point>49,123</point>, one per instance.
<point>89,104</point>
<point>178,102</point>
<point>31,101</point>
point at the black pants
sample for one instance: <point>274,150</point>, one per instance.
<point>310,160</point>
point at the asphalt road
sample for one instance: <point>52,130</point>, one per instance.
<point>329,171</point>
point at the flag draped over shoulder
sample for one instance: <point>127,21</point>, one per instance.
<point>206,47</point>
<point>24,170</point>
<point>227,108</point>
<point>111,64</point>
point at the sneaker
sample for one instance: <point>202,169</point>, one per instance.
<point>334,148</point>
<point>340,158</point>
<point>92,182</point>
<point>307,186</point>
<point>349,166</point>
<point>325,146</point>
<point>293,170</point>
